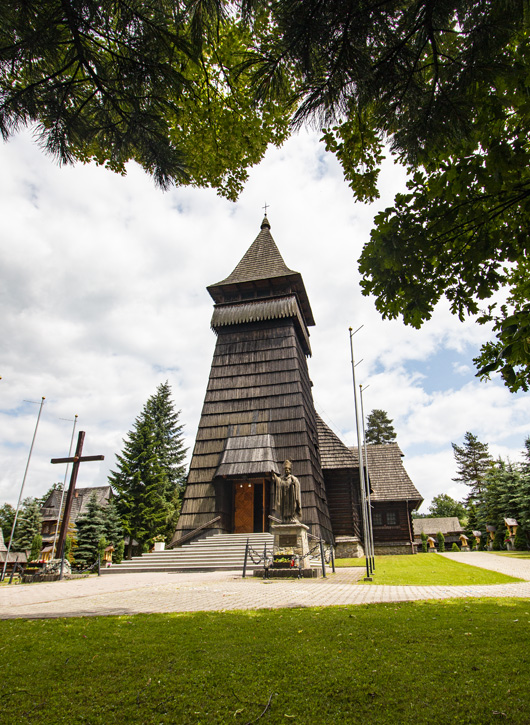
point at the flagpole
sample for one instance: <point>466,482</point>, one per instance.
<point>361,463</point>
<point>368,495</point>
<point>21,491</point>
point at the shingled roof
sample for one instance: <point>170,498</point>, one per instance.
<point>262,259</point>
<point>333,452</point>
<point>445,524</point>
<point>50,508</point>
<point>262,262</point>
<point>389,480</point>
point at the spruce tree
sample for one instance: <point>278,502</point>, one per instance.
<point>379,428</point>
<point>90,528</point>
<point>150,476</point>
<point>29,523</point>
<point>473,461</point>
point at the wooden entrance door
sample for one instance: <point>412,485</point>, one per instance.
<point>244,508</point>
<point>251,506</point>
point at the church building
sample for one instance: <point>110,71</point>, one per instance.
<point>258,411</point>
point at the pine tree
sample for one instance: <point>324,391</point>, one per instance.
<point>473,461</point>
<point>524,491</point>
<point>28,524</point>
<point>7,516</point>
<point>379,428</point>
<point>90,528</point>
<point>149,479</point>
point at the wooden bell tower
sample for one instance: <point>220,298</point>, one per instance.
<point>258,408</point>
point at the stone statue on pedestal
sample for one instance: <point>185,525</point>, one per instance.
<point>287,497</point>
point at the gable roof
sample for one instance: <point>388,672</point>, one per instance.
<point>389,480</point>
<point>50,508</point>
<point>445,524</point>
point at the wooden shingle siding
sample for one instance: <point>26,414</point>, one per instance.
<point>276,402</point>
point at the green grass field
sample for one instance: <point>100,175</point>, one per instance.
<point>464,661</point>
<point>426,569</point>
<point>514,554</point>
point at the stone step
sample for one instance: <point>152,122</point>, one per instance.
<point>220,552</point>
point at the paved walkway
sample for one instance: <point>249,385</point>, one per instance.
<point>128,594</point>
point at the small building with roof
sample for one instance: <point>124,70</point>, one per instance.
<point>51,511</point>
<point>449,526</point>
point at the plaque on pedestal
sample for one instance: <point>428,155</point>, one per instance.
<point>291,538</point>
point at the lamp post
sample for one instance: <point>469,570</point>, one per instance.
<point>21,491</point>
<point>361,462</point>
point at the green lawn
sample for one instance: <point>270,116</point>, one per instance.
<point>464,661</point>
<point>427,569</point>
<point>515,554</point>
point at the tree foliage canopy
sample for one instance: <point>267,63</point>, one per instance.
<point>444,505</point>
<point>379,428</point>
<point>149,80</point>
<point>195,90</point>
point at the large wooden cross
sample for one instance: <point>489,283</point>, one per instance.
<point>76,460</point>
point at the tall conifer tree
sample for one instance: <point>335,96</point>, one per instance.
<point>379,428</point>
<point>150,475</point>
<point>28,524</point>
<point>474,461</point>
<point>90,528</point>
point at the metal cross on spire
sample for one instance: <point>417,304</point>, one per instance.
<point>76,460</point>
<point>265,207</point>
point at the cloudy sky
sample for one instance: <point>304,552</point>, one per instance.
<point>103,289</point>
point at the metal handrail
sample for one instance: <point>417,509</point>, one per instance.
<point>193,533</point>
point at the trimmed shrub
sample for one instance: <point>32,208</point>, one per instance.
<point>441,542</point>
<point>455,547</point>
<point>424,542</point>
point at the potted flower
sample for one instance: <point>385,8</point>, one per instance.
<point>160,543</point>
<point>283,561</point>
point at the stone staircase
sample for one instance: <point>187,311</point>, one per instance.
<point>214,553</point>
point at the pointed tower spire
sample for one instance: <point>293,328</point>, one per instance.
<point>262,273</point>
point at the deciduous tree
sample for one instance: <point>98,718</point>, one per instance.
<point>444,505</point>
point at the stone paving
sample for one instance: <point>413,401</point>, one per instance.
<point>128,594</point>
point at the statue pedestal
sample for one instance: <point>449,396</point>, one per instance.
<point>291,538</point>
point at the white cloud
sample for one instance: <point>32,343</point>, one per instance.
<point>103,297</point>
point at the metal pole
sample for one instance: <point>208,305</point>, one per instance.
<point>323,559</point>
<point>22,490</point>
<point>368,497</point>
<point>245,562</point>
<point>361,462</point>
<point>64,488</point>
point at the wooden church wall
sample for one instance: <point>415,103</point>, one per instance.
<point>259,383</point>
<point>343,487</point>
